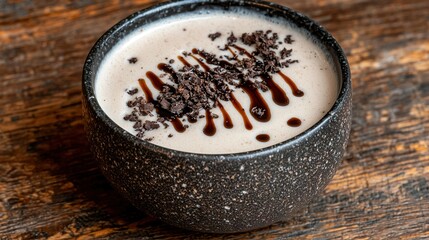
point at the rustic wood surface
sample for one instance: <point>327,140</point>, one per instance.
<point>50,187</point>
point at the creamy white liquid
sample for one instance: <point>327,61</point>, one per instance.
<point>151,45</point>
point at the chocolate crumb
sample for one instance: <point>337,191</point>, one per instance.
<point>214,115</point>
<point>285,53</point>
<point>131,117</point>
<point>150,125</point>
<point>288,39</point>
<point>146,108</point>
<point>289,62</point>
<point>132,60</point>
<point>231,39</point>
<point>161,119</point>
<point>149,139</point>
<point>213,36</point>
<point>262,85</point>
<point>170,135</point>
<point>132,91</point>
<point>171,61</point>
<point>140,134</point>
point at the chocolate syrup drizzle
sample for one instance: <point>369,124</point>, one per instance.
<point>227,122</point>
<point>278,94</point>
<point>210,128</point>
<point>263,137</point>
<point>294,122</point>
<point>259,108</point>
<point>202,64</point>
<point>296,92</point>
<point>240,109</point>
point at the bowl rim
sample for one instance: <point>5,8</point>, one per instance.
<point>328,39</point>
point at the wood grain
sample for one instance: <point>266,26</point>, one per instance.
<point>50,187</point>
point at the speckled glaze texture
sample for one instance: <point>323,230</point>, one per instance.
<point>218,193</point>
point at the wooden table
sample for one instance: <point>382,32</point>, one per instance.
<point>50,187</point>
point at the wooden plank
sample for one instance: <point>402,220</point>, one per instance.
<point>50,187</point>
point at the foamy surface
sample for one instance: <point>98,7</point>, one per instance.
<point>153,44</point>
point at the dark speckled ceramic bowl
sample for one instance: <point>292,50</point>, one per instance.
<point>218,193</point>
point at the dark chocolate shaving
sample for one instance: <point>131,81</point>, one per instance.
<point>285,53</point>
<point>289,62</point>
<point>132,91</point>
<point>150,125</point>
<point>132,60</point>
<point>231,39</point>
<point>213,36</point>
<point>288,39</point>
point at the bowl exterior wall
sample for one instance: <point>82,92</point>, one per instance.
<point>216,193</point>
